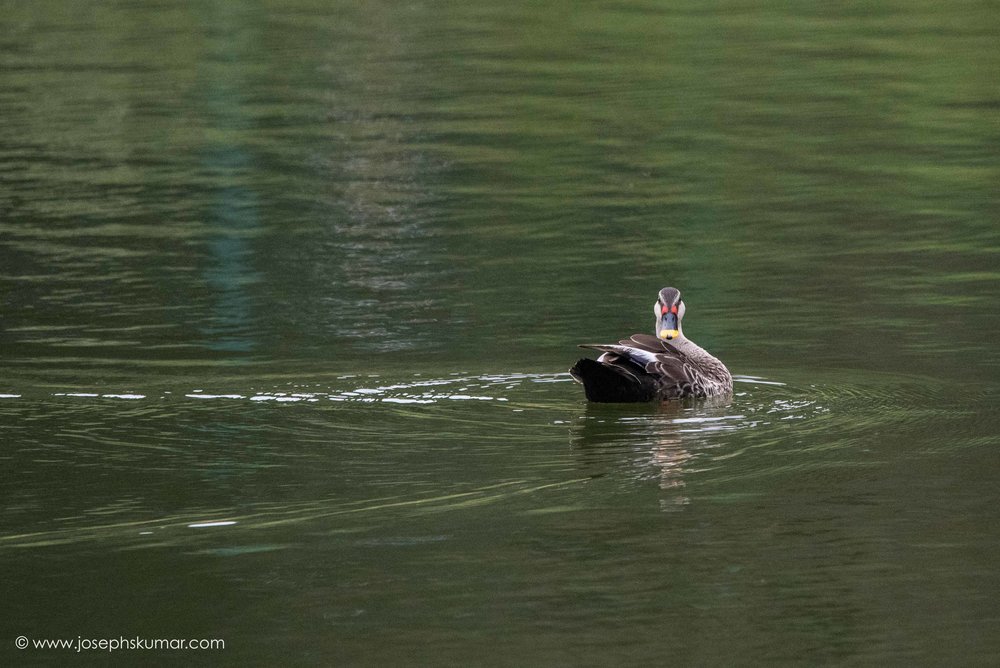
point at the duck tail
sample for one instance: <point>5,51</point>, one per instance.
<point>604,383</point>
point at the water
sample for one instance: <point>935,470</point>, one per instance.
<point>288,291</point>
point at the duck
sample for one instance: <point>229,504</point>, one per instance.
<point>649,368</point>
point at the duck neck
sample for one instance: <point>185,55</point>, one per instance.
<point>685,345</point>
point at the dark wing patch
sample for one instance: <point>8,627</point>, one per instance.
<point>618,358</point>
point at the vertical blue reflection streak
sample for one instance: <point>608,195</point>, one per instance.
<point>234,215</point>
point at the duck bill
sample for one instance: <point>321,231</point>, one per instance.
<point>668,328</point>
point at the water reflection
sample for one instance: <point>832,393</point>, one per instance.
<point>365,258</point>
<point>233,214</point>
<point>668,443</point>
<point>231,328</point>
<point>648,442</point>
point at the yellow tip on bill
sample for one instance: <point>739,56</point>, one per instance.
<point>668,333</point>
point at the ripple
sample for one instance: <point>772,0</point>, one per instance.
<point>840,420</point>
<point>330,515</point>
<point>486,388</point>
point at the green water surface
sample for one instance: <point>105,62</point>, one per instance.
<point>288,291</point>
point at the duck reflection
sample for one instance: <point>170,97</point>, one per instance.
<point>645,442</point>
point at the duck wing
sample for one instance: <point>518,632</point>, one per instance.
<point>647,342</point>
<point>671,368</point>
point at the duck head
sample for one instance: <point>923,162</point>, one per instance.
<point>669,310</point>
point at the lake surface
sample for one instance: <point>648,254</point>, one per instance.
<point>288,291</point>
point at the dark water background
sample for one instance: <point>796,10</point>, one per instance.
<point>288,291</point>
